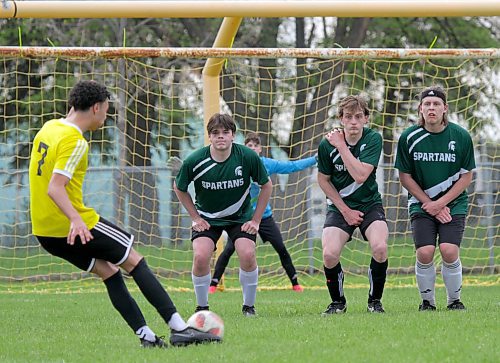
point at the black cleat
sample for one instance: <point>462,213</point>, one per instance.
<point>456,305</point>
<point>426,305</point>
<point>335,307</point>
<point>201,308</point>
<point>375,306</point>
<point>158,343</point>
<point>248,311</point>
<point>190,336</point>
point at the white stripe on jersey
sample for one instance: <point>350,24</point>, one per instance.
<point>76,156</point>
<point>229,210</point>
<point>335,158</point>
<point>417,141</point>
<point>439,188</point>
<point>201,163</point>
<point>350,189</point>
<point>204,171</point>
<point>115,234</point>
<point>413,133</point>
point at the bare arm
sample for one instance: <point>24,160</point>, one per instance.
<point>358,170</point>
<point>352,217</point>
<point>199,224</point>
<point>252,226</point>
<point>57,192</point>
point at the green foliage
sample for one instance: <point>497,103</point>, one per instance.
<point>84,327</point>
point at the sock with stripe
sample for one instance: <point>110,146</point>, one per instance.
<point>335,283</point>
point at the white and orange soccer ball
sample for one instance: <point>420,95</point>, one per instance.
<point>207,321</point>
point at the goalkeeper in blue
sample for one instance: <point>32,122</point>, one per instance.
<point>268,229</point>
<point>435,160</point>
<point>347,161</point>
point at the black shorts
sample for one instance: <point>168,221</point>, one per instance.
<point>335,219</point>
<point>233,231</point>
<point>426,228</point>
<point>110,243</point>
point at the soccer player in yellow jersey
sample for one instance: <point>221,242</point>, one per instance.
<point>68,229</point>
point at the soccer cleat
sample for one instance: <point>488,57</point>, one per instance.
<point>375,306</point>
<point>190,336</point>
<point>456,305</point>
<point>297,288</point>
<point>201,308</point>
<point>212,289</point>
<point>335,307</point>
<point>158,343</point>
<point>248,311</point>
<point>426,305</point>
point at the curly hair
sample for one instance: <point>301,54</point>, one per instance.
<point>85,94</point>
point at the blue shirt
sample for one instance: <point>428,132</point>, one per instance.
<point>278,167</point>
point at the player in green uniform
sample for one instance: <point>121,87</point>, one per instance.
<point>222,174</point>
<point>435,160</point>
<point>68,229</point>
<point>347,161</point>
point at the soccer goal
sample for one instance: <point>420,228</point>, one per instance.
<point>289,97</point>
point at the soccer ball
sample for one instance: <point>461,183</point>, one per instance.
<point>207,321</point>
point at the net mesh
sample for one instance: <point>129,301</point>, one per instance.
<point>157,112</point>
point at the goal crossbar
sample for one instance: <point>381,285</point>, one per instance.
<point>320,53</point>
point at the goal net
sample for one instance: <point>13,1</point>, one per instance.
<point>289,99</point>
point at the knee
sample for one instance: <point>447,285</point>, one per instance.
<point>379,251</point>
<point>425,254</point>
<point>331,258</point>
<point>104,269</point>
<point>201,259</point>
<point>449,252</point>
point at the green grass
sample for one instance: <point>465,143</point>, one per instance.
<point>83,327</point>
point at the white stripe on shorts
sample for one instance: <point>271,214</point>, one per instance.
<point>118,236</point>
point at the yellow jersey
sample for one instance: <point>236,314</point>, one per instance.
<point>59,147</point>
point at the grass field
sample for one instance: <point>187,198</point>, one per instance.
<point>83,327</point>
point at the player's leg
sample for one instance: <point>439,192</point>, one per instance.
<point>82,257</point>
<point>203,248</point>
<point>244,244</point>
<point>269,231</point>
<point>112,244</point>
<point>374,229</point>
<point>450,238</point>
<point>333,240</point>
<point>221,264</point>
<point>424,231</point>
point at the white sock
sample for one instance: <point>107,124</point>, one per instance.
<point>452,277</point>
<point>201,284</point>
<point>249,280</point>
<point>426,281</point>
<point>146,333</point>
<point>177,323</point>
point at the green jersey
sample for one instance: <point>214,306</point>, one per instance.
<point>222,190</point>
<point>357,196</point>
<point>435,161</point>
